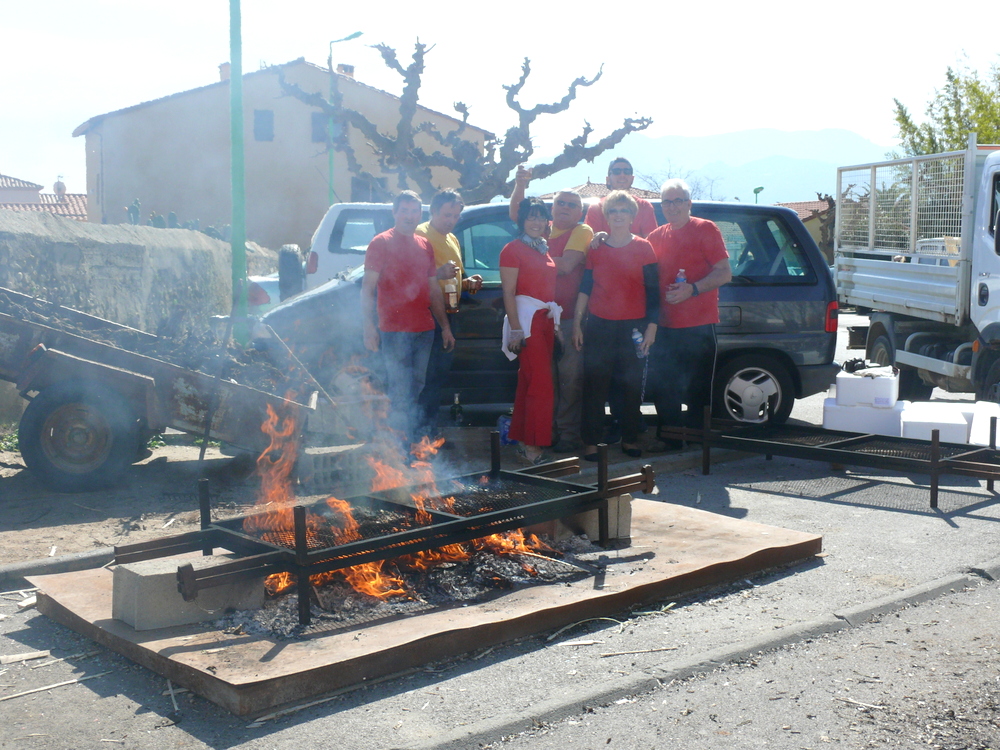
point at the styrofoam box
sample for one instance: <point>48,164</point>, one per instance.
<point>979,433</point>
<point>873,420</point>
<point>920,417</point>
<point>855,390</point>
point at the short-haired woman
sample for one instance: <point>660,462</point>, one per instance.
<point>528,278</point>
<point>619,294</point>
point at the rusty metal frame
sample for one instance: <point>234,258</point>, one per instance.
<point>931,457</point>
<point>260,558</point>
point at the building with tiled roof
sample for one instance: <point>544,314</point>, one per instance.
<point>805,209</point>
<point>21,195</point>
<point>173,154</point>
<point>599,190</point>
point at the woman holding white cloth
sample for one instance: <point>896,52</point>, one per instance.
<point>528,277</point>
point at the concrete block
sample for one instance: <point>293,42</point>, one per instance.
<point>881,390</point>
<point>868,419</point>
<point>619,523</point>
<point>921,417</point>
<point>144,594</point>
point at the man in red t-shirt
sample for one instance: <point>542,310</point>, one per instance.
<point>621,177</point>
<point>400,267</point>
<point>568,242</point>
<point>682,360</point>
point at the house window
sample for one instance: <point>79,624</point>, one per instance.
<point>263,124</point>
<point>320,123</point>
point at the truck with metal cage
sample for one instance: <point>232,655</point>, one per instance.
<point>916,249</point>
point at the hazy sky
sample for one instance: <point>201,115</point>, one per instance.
<point>695,68</point>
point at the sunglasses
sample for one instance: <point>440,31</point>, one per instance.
<point>620,170</point>
<point>675,201</point>
<point>568,204</point>
<point>615,211</point>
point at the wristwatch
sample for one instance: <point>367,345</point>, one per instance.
<point>694,290</point>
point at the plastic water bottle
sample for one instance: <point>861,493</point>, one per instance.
<point>681,276</point>
<point>637,340</point>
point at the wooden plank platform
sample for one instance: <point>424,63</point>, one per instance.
<point>674,549</point>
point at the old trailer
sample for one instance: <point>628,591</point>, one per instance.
<point>97,390</point>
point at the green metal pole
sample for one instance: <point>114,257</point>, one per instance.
<point>238,234</point>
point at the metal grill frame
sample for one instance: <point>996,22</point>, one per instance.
<point>931,457</point>
<point>259,558</point>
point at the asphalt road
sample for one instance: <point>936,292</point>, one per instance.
<point>759,662</point>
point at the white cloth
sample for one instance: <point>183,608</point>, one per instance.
<point>526,309</point>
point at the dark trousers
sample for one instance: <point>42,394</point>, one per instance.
<point>438,368</point>
<point>609,356</point>
<point>682,366</point>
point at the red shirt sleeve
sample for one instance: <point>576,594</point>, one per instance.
<point>375,255</point>
<point>595,219</point>
<point>715,246</point>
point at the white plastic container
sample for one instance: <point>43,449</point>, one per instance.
<point>881,391</point>
<point>921,417</point>
<point>871,420</point>
<point>979,433</point>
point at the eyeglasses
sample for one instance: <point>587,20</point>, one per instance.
<point>615,211</point>
<point>568,204</point>
<point>674,202</point>
<point>620,170</point>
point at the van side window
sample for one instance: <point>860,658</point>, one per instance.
<point>995,204</point>
<point>762,250</point>
<point>481,246</point>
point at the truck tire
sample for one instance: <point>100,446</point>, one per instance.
<point>911,387</point>
<point>78,435</point>
<point>291,277</point>
<point>744,384</point>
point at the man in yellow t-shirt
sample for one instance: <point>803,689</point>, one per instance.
<point>446,208</point>
<point>568,242</point>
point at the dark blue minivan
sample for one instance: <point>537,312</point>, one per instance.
<point>777,331</point>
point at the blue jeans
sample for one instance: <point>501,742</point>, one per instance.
<point>438,367</point>
<point>405,356</point>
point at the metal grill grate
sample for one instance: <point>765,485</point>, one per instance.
<point>471,498</point>
<point>895,449</point>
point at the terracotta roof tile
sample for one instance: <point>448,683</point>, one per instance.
<point>599,190</point>
<point>805,209</point>
<point>14,182</point>
<point>74,207</point>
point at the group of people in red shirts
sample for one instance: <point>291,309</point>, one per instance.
<point>644,305</point>
<point>641,303</point>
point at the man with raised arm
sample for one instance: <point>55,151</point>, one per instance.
<point>620,177</point>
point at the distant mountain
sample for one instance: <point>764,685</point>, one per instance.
<point>789,165</point>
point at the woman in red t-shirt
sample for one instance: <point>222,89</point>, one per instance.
<point>620,300</point>
<point>528,278</point>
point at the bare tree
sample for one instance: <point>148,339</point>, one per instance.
<point>482,172</point>
<point>702,187</point>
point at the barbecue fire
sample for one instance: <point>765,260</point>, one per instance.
<point>381,579</point>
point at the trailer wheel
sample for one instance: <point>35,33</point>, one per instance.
<point>78,436</point>
<point>744,385</point>
<point>911,387</point>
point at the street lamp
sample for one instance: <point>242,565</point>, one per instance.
<point>756,192</point>
<point>329,124</point>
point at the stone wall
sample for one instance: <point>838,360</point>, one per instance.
<point>134,275</point>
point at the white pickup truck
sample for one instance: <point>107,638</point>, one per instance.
<point>338,245</point>
<point>916,248</point>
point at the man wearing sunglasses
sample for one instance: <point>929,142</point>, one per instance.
<point>620,177</point>
<point>682,359</point>
<point>568,243</point>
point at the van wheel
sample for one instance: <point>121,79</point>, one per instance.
<point>291,277</point>
<point>78,436</point>
<point>744,384</point>
<point>989,389</point>
<point>911,387</point>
